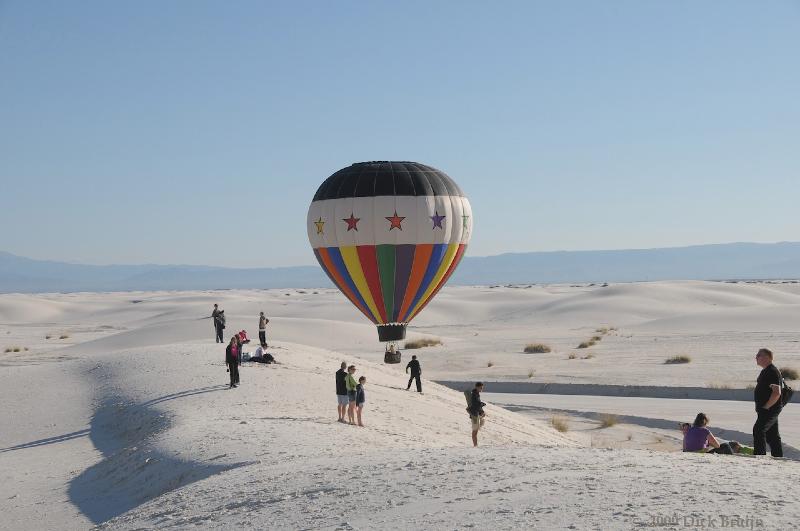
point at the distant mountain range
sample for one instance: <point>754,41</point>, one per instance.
<point>700,262</point>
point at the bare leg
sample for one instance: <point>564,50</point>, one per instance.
<point>351,412</point>
<point>474,438</point>
<point>341,409</point>
<point>358,413</point>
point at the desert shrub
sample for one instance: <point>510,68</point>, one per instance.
<point>63,336</point>
<point>560,424</point>
<point>750,387</point>
<point>571,356</point>
<point>531,373</point>
<point>587,344</point>
<point>607,420</point>
<point>677,359</point>
<point>588,356</point>
<point>718,385</point>
<point>630,437</point>
<point>16,349</point>
<point>8,349</point>
<point>490,364</point>
<point>537,348</point>
<point>48,336</point>
<point>602,330</point>
<point>789,373</point>
<point>424,342</point>
<point>596,338</point>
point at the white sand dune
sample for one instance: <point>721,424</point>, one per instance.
<point>127,420</point>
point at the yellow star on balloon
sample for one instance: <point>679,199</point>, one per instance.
<point>319,223</point>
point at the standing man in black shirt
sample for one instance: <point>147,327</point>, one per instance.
<point>416,372</point>
<point>767,396</point>
<point>341,391</point>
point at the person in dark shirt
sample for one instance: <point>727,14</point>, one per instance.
<point>361,398</point>
<point>767,396</point>
<point>476,414</point>
<point>341,392</point>
<point>416,372</point>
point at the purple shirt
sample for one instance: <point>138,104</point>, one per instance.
<point>696,439</point>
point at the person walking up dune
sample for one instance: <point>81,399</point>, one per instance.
<point>232,361</point>
<point>767,396</point>
<point>416,372</point>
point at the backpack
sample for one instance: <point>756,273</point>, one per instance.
<point>786,392</point>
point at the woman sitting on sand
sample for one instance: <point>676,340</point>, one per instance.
<point>698,438</point>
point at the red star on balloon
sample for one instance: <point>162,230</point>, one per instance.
<point>352,222</point>
<point>395,221</point>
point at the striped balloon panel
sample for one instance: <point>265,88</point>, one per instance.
<point>390,283</point>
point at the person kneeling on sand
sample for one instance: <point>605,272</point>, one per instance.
<point>361,397</point>
<point>262,356</point>
<point>698,438</point>
<point>476,414</point>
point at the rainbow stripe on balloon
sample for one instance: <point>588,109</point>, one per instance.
<point>390,283</point>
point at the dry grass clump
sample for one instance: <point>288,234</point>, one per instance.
<point>588,357</point>
<point>490,364</point>
<point>48,336</point>
<point>677,359</point>
<point>560,424</point>
<point>424,342</point>
<point>789,373</point>
<point>602,330</point>
<point>537,348</point>
<point>718,385</point>
<point>8,349</point>
<point>531,373</point>
<point>63,336</point>
<point>587,344</point>
<point>596,338</point>
<point>572,356</point>
<point>607,420</point>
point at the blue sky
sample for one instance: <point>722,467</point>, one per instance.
<point>197,132</point>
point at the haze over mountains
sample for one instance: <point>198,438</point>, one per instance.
<point>701,262</point>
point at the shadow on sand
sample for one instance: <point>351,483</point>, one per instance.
<point>133,469</point>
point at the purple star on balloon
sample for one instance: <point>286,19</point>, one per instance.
<point>437,220</point>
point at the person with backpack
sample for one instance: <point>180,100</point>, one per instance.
<point>232,360</point>
<point>767,397</point>
<point>262,330</point>
<point>219,324</point>
<point>476,413</point>
<point>416,372</point>
<point>214,314</point>
<point>341,391</point>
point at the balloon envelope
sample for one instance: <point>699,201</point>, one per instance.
<point>389,235</point>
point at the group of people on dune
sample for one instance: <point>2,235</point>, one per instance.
<point>234,351</point>
<point>770,395</point>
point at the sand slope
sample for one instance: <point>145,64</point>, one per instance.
<point>127,419</point>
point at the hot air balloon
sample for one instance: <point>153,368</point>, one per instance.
<point>389,235</point>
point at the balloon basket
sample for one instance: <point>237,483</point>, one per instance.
<point>391,357</point>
